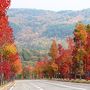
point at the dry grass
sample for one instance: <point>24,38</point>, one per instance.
<point>74,81</point>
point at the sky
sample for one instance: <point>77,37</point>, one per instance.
<point>54,5</point>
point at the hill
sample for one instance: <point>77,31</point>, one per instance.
<point>34,29</point>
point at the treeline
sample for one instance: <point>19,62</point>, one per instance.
<point>10,64</point>
<point>70,63</point>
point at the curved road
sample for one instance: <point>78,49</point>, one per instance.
<point>48,85</point>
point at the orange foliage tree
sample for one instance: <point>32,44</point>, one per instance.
<point>80,38</point>
<point>53,50</point>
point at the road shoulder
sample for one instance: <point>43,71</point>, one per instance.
<point>7,86</point>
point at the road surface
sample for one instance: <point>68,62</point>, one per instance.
<point>48,85</point>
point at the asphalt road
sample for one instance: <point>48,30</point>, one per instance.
<point>48,85</point>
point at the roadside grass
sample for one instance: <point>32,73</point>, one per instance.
<point>81,81</point>
<point>74,81</point>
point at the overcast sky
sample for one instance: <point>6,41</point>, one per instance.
<point>55,5</point>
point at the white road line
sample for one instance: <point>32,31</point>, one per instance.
<point>11,88</point>
<point>71,87</point>
<point>37,86</point>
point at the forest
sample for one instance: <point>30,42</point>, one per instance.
<point>70,63</point>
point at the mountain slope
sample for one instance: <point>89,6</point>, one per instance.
<point>34,29</point>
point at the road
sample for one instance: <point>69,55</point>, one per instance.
<point>48,85</point>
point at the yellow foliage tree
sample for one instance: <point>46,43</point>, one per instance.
<point>10,48</point>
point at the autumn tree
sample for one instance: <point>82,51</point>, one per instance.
<point>87,56</point>
<point>27,71</point>
<point>53,50</point>
<point>6,42</point>
<point>64,60</point>
<point>80,37</point>
<point>53,54</point>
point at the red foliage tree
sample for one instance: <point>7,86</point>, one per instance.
<point>6,37</point>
